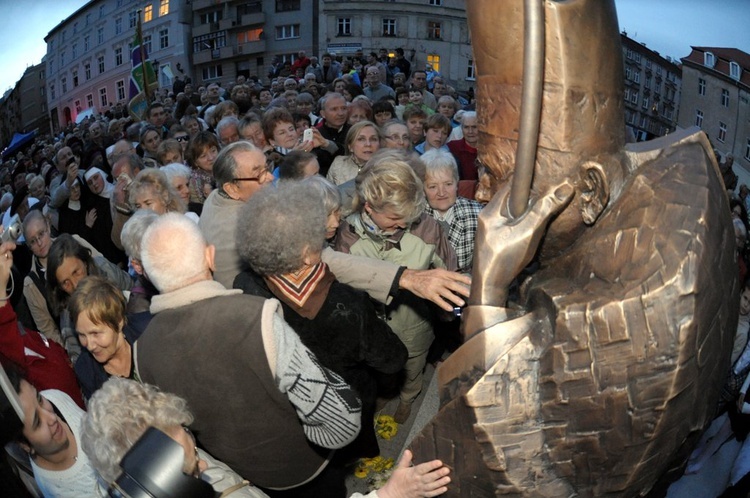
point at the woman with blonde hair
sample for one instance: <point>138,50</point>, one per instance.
<point>362,141</point>
<point>389,223</point>
<point>152,190</point>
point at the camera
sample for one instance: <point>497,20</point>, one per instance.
<point>12,231</point>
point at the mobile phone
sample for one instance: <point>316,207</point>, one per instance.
<point>307,136</point>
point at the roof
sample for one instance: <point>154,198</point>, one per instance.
<point>723,57</point>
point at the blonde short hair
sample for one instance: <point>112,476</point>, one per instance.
<point>390,183</point>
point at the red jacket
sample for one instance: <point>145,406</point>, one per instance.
<point>44,363</point>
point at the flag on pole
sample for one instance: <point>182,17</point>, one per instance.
<point>142,76</point>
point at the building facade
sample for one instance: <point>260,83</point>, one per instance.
<point>24,108</point>
<point>652,90</point>
<point>88,54</point>
<point>716,97</point>
<point>236,37</point>
<point>433,32</point>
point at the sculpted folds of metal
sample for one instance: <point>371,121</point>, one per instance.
<point>606,376</point>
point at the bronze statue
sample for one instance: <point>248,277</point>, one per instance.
<point>603,380</point>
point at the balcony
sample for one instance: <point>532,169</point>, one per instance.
<point>203,4</point>
<point>251,19</point>
<point>204,29</point>
<point>206,56</point>
<point>253,47</point>
<point>227,24</point>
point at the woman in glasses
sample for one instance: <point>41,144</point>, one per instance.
<point>396,135</point>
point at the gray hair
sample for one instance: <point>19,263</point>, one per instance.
<point>227,122</point>
<point>133,230</point>
<point>173,253</point>
<point>278,225</point>
<point>176,169</point>
<point>330,192</point>
<point>328,96</point>
<point>225,166</point>
<point>440,160</point>
<point>119,413</point>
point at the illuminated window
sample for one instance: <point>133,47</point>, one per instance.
<point>148,13</point>
<point>163,7</point>
<point>249,36</point>
<point>434,61</point>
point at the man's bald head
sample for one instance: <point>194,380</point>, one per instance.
<point>175,254</point>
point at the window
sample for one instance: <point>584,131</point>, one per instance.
<point>209,17</point>
<point>86,43</point>
<point>77,105</point>
<point>148,13</point>
<point>698,118</point>
<point>747,150</point>
<point>212,72</point>
<point>648,63</point>
<point>627,94</point>
<point>344,26</point>
<point>644,104</point>
<point>103,96</point>
<point>433,30</point>
<point>636,76</point>
<point>725,98</point>
<point>118,56</point>
<point>701,86</point>
<point>100,36</point>
<point>287,5</point>
<point>287,31</point>
<point>637,57</point>
<point>147,44</point>
<point>75,27</point>
<point>74,49</point>
<point>87,71</point>
<point>389,27</point>
<point>634,98</point>
<point>734,70</point>
<point>90,101</point>
<point>52,91</point>
<point>647,82</point>
<point>436,3</point>
<point>708,59</point>
<point>210,41</point>
<point>120,86</point>
<point>249,36</point>
<point>163,7</point>
<point>64,85</point>
<point>434,61</point>
<point>246,8</point>
<point>41,91</point>
<point>101,11</point>
<point>118,25</point>
<point>100,63</point>
<point>471,71</point>
<point>644,122</point>
<point>88,19</point>
<point>63,36</point>
<point>132,19</point>
<point>628,73</point>
<point>163,38</point>
<point>722,132</point>
<point>75,78</point>
<point>62,58</point>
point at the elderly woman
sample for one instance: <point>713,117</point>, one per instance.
<point>179,178</point>
<point>359,110</point>
<point>390,224</point>
<point>331,202</point>
<point>106,334</point>
<point>457,215</point>
<point>338,324</point>
<point>200,156</point>
<point>119,414</point>
<point>68,263</point>
<point>396,135</point>
<point>362,141</point>
<point>251,128</point>
<point>192,124</point>
<point>151,190</point>
<point>143,289</point>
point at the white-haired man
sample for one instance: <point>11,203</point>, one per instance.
<point>240,170</point>
<point>259,396</point>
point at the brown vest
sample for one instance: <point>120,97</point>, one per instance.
<point>211,353</point>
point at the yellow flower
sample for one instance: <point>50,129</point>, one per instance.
<point>386,427</point>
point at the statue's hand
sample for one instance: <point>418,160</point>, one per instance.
<point>505,246</point>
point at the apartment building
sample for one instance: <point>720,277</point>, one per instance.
<point>88,54</point>
<point>716,97</point>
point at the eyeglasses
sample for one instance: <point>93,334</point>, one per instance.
<point>267,169</point>
<point>38,239</point>
<point>398,138</point>
<point>195,470</point>
<point>183,138</point>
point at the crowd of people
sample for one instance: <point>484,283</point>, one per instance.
<point>254,271</point>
